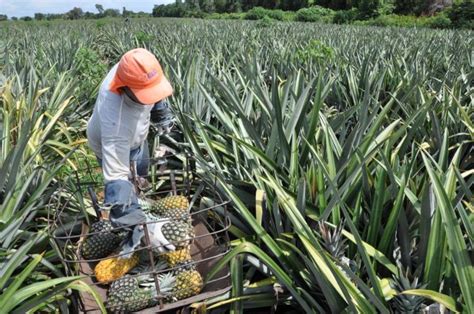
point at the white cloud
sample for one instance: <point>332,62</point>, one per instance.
<point>30,7</point>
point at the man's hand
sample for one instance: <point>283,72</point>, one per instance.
<point>157,238</point>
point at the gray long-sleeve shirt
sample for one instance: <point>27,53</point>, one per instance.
<point>117,126</point>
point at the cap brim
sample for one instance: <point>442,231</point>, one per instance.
<point>116,84</point>
<point>153,94</point>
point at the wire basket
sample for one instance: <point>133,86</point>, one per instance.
<point>75,206</point>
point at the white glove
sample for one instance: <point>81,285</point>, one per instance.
<point>157,238</point>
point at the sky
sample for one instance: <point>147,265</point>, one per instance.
<point>21,8</point>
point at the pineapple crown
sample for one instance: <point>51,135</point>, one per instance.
<point>145,267</point>
<point>166,282</point>
<point>334,243</point>
<point>405,280</point>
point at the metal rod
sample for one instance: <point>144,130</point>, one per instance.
<point>173,183</point>
<point>188,176</point>
<point>152,260</point>
<point>95,202</point>
<point>133,169</point>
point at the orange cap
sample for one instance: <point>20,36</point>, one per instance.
<point>139,70</point>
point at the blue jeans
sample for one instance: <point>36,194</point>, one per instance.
<point>120,194</point>
<point>142,156</point>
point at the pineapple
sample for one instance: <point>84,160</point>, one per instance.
<point>171,202</point>
<point>178,233</point>
<point>181,214</point>
<point>114,268</point>
<point>101,244</point>
<point>178,229</point>
<point>173,207</point>
<point>188,281</point>
<point>125,295</point>
<point>175,257</point>
<point>131,294</point>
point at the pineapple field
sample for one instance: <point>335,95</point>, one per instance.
<point>346,153</point>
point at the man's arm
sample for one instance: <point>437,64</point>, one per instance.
<point>115,141</point>
<point>161,117</point>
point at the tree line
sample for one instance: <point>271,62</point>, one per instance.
<point>367,7</point>
<point>77,13</point>
<point>196,8</point>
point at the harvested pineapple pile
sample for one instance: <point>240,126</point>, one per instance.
<point>128,293</point>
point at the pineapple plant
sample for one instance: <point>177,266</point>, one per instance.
<point>405,303</point>
<point>114,268</point>
<point>103,243</point>
<point>336,245</point>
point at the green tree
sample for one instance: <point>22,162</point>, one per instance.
<point>126,13</point>
<point>3,17</point>
<point>407,6</point>
<point>462,14</point>
<point>234,6</point>
<point>369,8</point>
<point>192,5</point>
<point>141,14</point>
<point>89,15</point>
<point>39,16</point>
<point>170,10</point>
<point>99,8</point>
<point>335,4</point>
<point>14,18</point>
<point>293,5</point>
<point>111,13</point>
<point>52,16</point>
<point>207,6</point>
<point>248,4</point>
<point>220,6</point>
<point>75,14</point>
<point>270,4</point>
